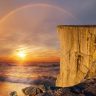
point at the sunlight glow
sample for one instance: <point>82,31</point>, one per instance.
<point>21,53</point>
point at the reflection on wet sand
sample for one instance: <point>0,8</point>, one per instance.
<point>6,88</point>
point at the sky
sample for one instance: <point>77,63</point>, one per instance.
<point>31,24</point>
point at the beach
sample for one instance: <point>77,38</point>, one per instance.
<point>15,78</point>
<point>7,87</point>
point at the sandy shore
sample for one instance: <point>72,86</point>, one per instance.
<point>6,88</point>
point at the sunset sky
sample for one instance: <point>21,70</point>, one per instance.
<point>31,24</point>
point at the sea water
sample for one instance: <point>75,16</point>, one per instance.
<point>16,77</point>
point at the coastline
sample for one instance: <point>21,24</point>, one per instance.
<point>7,87</point>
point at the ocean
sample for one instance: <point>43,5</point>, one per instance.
<point>18,76</point>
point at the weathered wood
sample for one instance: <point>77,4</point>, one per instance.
<point>78,46</point>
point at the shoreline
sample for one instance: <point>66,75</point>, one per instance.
<point>7,87</point>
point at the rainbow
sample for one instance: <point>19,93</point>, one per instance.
<point>35,5</point>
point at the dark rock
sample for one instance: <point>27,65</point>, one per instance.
<point>89,94</point>
<point>32,91</point>
<point>81,94</point>
<point>86,88</point>
<point>77,89</point>
<point>64,92</point>
<point>14,93</point>
<point>48,93</point>
<point>91,90</point>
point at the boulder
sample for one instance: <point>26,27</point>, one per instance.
<point>32,91</point>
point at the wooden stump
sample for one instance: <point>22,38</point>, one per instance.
<point>78,46</point>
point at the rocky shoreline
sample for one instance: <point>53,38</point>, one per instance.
<point>86,88</point>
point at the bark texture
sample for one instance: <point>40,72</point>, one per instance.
<point>78,54</point>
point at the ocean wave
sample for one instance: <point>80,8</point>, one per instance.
<point>30,74</point>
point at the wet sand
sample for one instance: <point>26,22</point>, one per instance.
<point>6,88</point>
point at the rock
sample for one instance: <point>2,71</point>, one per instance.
<point>64,92</point>
<point>81,95</point>
<point>32,91</point>
<point>48,93</point>
<point>86,88</point>
<point>44,87</point>
<point>77,89</point>
<point>14,93</point>
<point>91,90</point>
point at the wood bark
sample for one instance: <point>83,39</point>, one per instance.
<point>78,52</point>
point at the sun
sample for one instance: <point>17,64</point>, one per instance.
<point>21,54</point>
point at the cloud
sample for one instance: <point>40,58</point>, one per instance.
<point>32,26</point>
<point>36,26</point>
